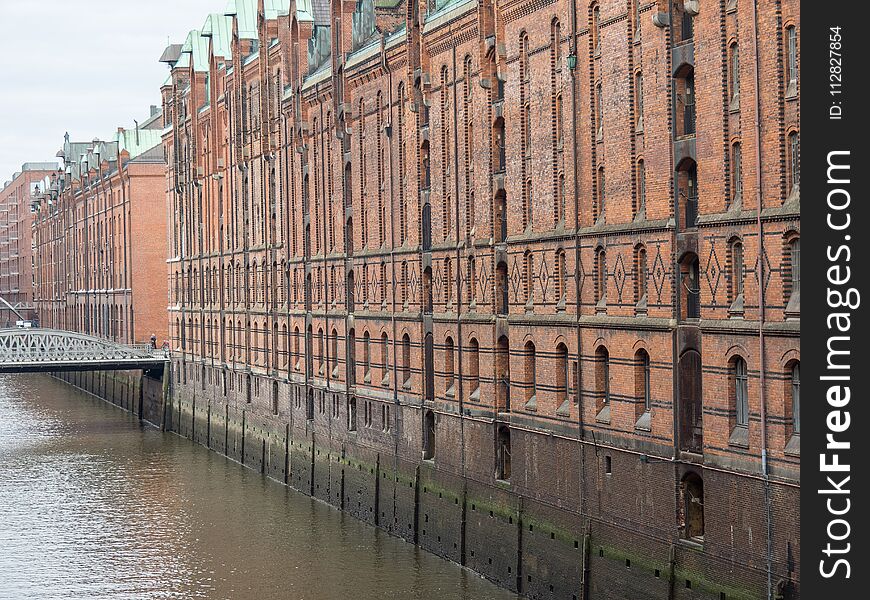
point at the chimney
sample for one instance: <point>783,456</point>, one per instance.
<point>154,110</point>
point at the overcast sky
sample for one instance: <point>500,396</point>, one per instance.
<point>83,66</point>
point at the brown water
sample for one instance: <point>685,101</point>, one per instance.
<point>95,506</point>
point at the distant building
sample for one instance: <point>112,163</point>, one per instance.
<point>99,236</point>
<point>16,273</point>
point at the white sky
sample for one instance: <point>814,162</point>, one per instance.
<point>83,66</point>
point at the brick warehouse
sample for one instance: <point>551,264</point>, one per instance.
<point>99,238</point>
<point>563,352</point>
<point>16,264</point>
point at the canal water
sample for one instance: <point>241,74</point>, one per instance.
<point>94,505</point>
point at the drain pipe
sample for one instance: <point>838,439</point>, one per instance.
<point>761,312</point>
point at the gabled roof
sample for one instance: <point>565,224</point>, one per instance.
<point>245,12</point>
<point>220,29</point>
<point>197,47</point>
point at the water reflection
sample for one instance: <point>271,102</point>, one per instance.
<point>93,505</point>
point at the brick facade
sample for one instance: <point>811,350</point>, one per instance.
<point>16,260</point>
<point>99,236</point>
<point>539,258</point>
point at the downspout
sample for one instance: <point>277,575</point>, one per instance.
<point>761,312</point>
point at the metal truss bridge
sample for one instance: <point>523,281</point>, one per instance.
<point>49,350</point>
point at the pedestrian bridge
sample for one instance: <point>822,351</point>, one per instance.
<point>48,350</point>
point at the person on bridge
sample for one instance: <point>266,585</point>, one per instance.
<point>154,341</point>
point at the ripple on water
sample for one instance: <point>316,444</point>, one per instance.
<point>95,506</point>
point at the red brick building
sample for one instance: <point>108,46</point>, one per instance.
<point>16,264</point>
<point>99,237</point>
<point>518,281</point>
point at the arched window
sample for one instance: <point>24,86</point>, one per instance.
<point>642,387</point>
<point>351,356</point>
<point>794,162</point>
<point>406,361</point>
<point>687,190</point>
<point>448,281</point>
<point>367,357</point>
<point>500,153</point>
<point>737,273</point>
<point>740,392</point>
<point>734,68</point>
<point>503,374</point>
<point>596,28</point>
<point>474,369</point>
<point>690,287</point>
<point>351,414</point>
<point>640,274</point>
<point>503,454</point>
<point>792,287</point>
<point>736,172</point>
<point>429,435</point>
<point>561,275</point>
<point>561,373</point>
<point>600,277</point>
<point>530,375</point>
<point>528,275</point>
<point>796,398</point>
<point>638,99</point>
<point>640,174</point>
<point>602,378</point>
<point>501,288</point>
<point>791,71</point>
<point>449,365</point>
<point>385,360</point>
<point>321,352</point>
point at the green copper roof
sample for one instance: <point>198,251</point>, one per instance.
<point>197,47</point>
<point>245,12</point>
<point>137,144</point>
<point>220,29</point>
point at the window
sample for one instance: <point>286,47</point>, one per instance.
<point>642,379</point>
<point>741,392</point>
<point>561,270</point>
<point>796,398</point>
<point>474,368</point>
<point>367,357</point>
<point>351,414</point>
<point>792,278</point>
<point>385,359</point>
<point>449,368</point>
<point>599,110</point>
<point>736,171</point>
<point>503,454</point>
<point>528,274</point>
<point>640,274</point>
<point>530,378</point>
<point>596,28</point>
<point>736,270</point>
<point>602,377</point>
<point>561,373</point>
<point>640,207</point>
<point>598,212</point>
<point>638,99</point>
<point>794,158</point>
<point>600,276</point>
<point>734,68</point>
<point>429,435</point>
<point>792,56</point>
<point>406,361</point>
<point>692,507</point>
